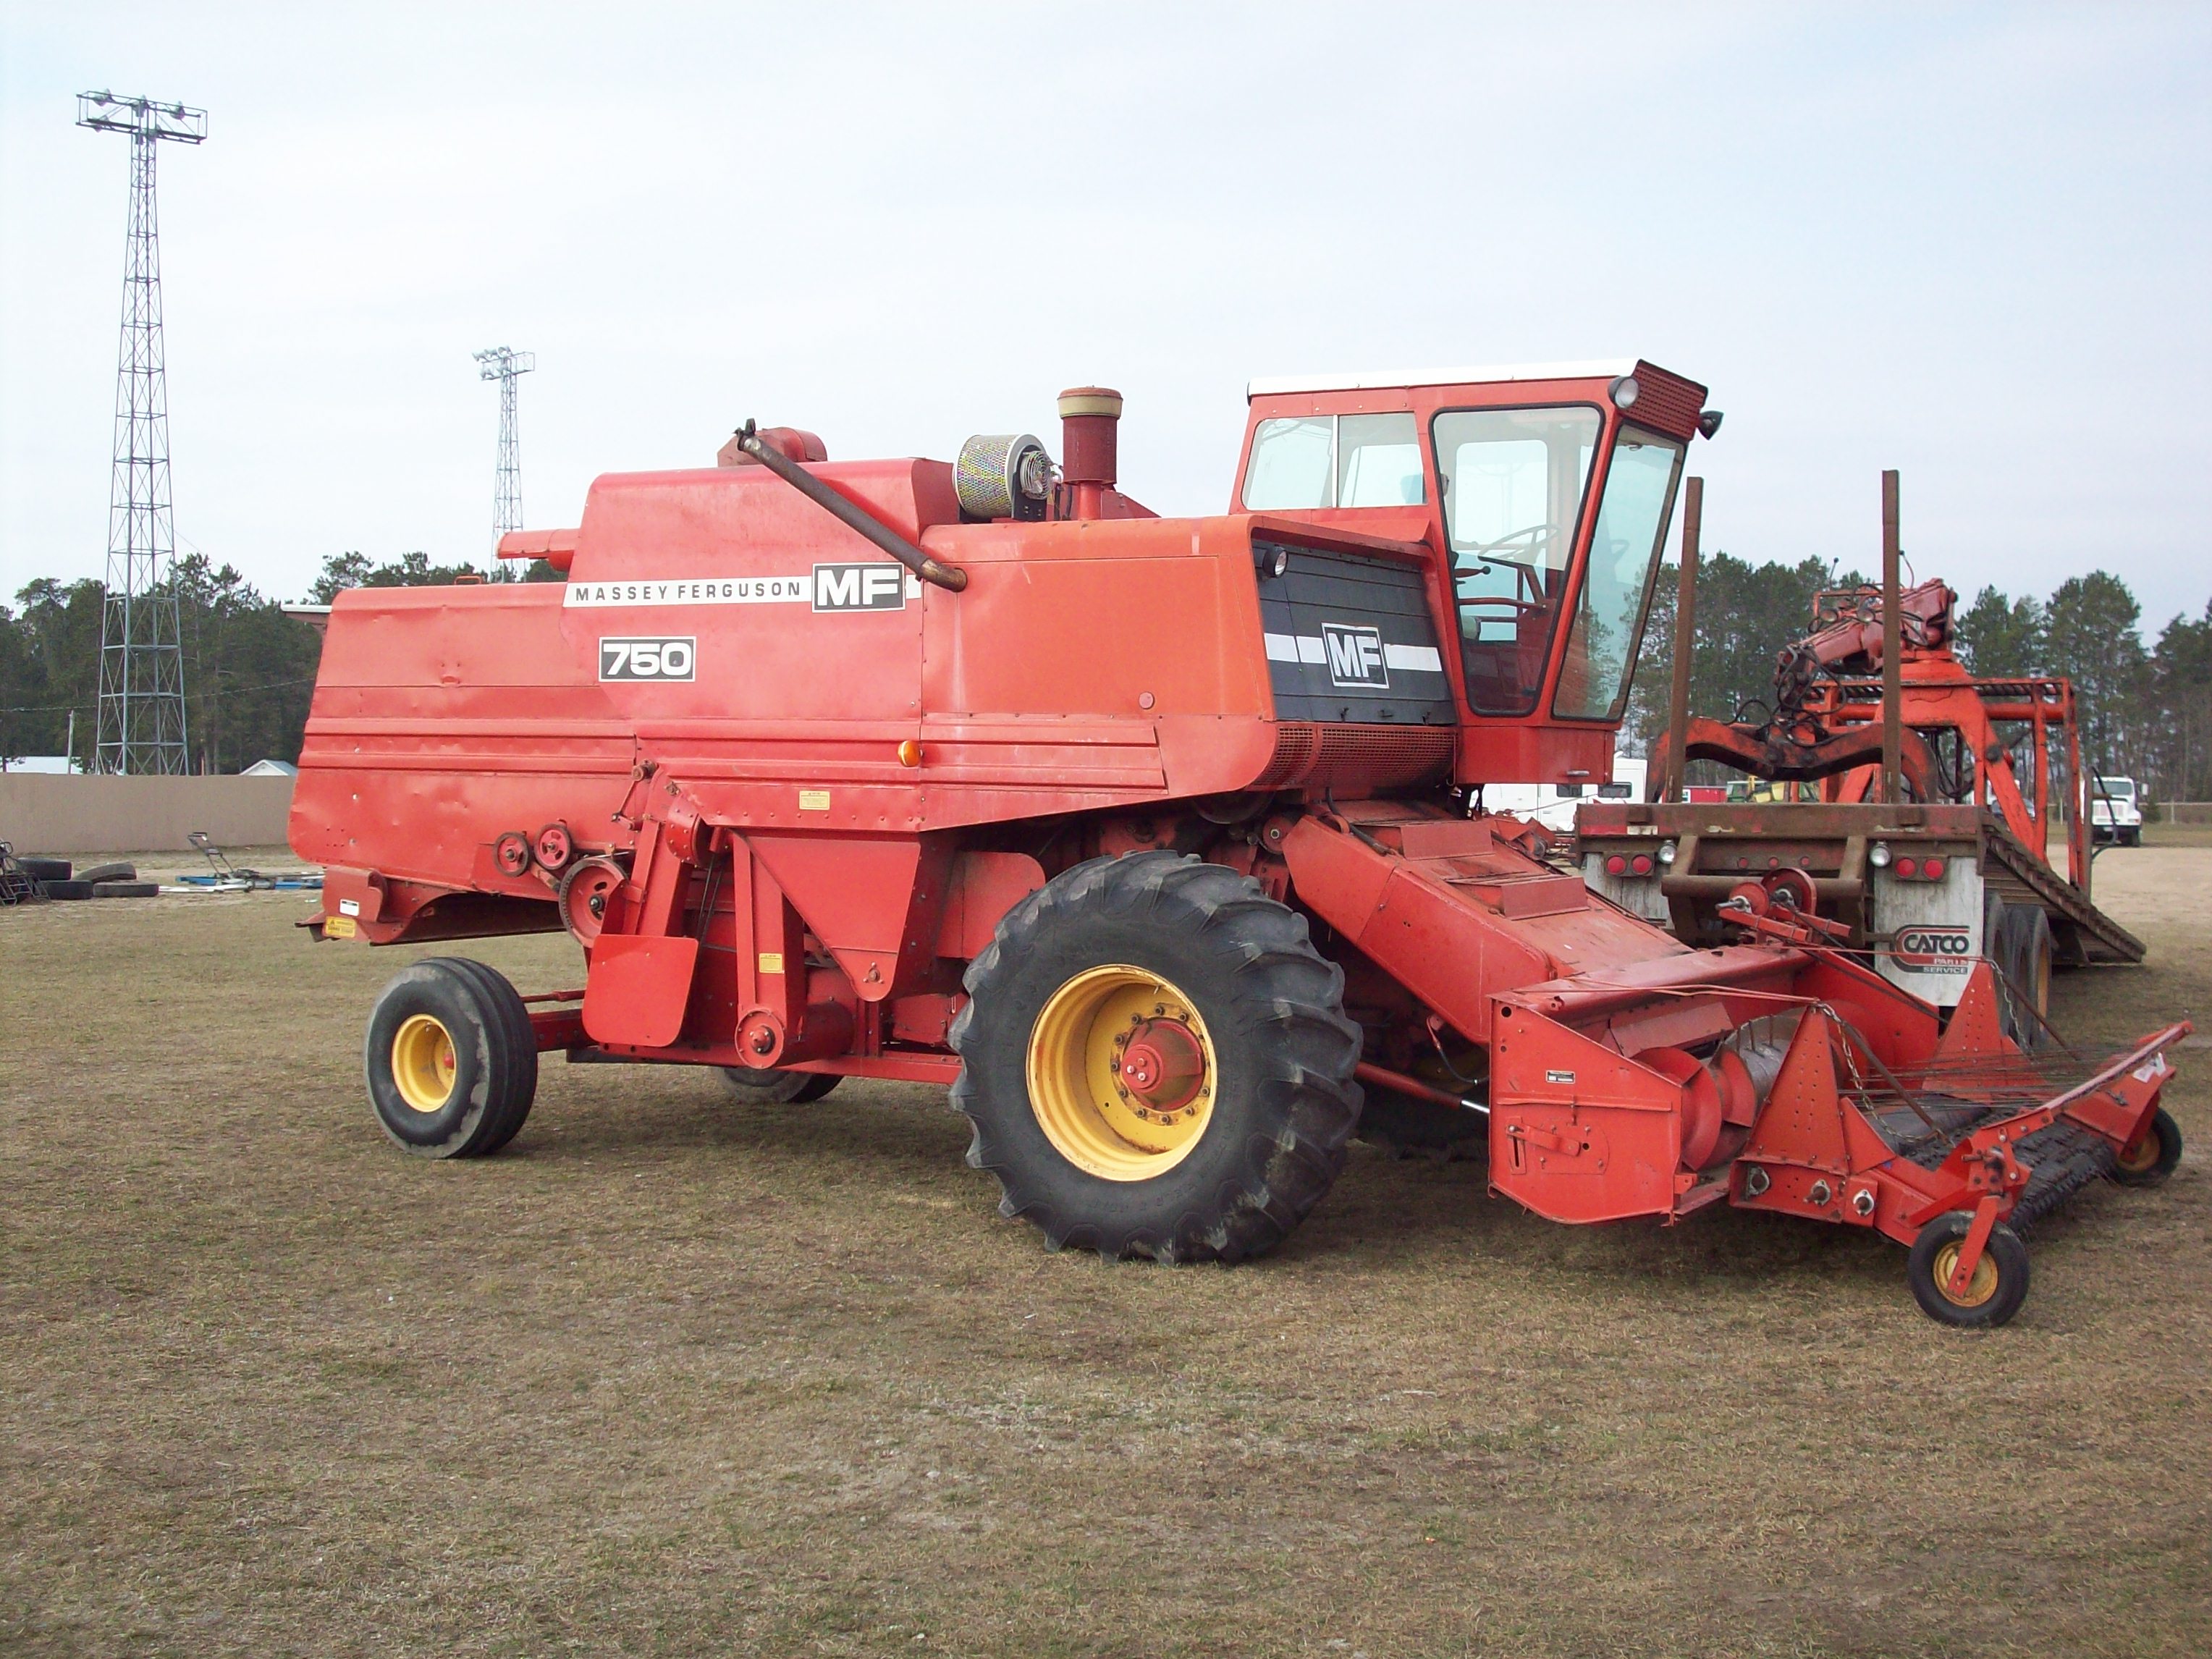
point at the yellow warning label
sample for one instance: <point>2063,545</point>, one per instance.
<point>340,927</point>
<point>814,800</point>
<point>771,962</point>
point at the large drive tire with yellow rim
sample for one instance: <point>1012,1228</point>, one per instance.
<point>451,1059</point>
<point>1157,1061</point>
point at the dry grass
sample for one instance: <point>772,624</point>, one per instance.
<point>675,1375</point>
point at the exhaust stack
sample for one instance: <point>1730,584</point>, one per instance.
<point>1089,419</point>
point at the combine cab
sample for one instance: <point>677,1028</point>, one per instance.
<point>1151,837</point>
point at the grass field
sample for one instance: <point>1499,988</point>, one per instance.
<point>676,1376</point>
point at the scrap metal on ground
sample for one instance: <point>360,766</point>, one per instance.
<point>1150,837</point>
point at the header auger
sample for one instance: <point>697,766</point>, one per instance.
<point>1149,836</point>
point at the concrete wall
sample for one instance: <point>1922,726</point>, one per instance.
<point>43,813</point>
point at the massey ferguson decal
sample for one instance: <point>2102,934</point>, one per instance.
<point>1935,949</point>
<point>1355,657</point>
<point>873,585</point>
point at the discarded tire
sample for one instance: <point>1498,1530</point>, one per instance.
<point>126,888</point>
<point>117,872</point>
<point>66,890</point>
<point>451,1059</point>
<point>45,869</point>
<point>1156,1062</point>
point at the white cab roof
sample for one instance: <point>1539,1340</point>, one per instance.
<point>1601,367</point>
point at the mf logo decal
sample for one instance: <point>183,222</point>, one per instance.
<point>873,586</point>
<point>1935,949</point>
<point>1355,657</point>
<point>648,659</point>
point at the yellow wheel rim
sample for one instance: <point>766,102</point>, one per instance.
<point>1979,1289</point>
<point>422,1063</point>
<point>2143,1155</point>
<point>1123,1073</point>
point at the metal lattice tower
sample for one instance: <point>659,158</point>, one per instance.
<point>504,365</point>
<point>142,659</point>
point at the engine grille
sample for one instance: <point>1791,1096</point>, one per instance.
<point>1352,757</point>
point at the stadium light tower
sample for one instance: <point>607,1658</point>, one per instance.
<point>504,365</point>
<point>142,659</point>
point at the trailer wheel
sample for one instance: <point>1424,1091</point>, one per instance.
<point>1156,1063</point>
<point>451,1059</point>
<point>2154,1156</point>
<point>762,1086</point>
<point>1991,1298</point>
<point>2017,938</point>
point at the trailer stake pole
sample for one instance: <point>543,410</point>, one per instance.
<point>1685,639</point>
<point>1892,650</point>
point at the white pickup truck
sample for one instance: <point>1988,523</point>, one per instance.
<point>2115,814</point>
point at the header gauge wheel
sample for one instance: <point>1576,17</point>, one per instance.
<point>1156,1063</point>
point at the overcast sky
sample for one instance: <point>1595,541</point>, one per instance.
<point>1969,242</point>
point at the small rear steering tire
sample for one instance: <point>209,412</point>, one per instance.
<point>451,1060</point>
<point>1992,1295</point>
<point>2152,1158</point>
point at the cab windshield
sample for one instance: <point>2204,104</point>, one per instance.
<point>1516,483</point>
<point>1513,482</point>
<point>1624,560</point>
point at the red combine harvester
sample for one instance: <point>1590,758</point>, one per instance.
<point>1956,870</point>
<point>1149,836</point>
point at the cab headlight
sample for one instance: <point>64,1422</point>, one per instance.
<point>1625,392</point>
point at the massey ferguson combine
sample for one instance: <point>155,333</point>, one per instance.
<point>1149,836</point>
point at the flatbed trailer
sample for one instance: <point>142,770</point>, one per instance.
<point>1927,890</point>
<point>1927,849</point>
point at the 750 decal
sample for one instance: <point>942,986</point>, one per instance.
<point>660,659</point>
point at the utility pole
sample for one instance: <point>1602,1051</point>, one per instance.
<point>142,658</point>
<point>504,365</point>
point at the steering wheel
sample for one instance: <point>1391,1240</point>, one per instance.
<point>1505,599</point>
<point>1534,537</point>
